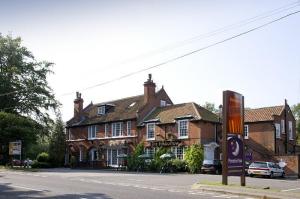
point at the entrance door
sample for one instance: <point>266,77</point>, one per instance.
<point>112,157</point>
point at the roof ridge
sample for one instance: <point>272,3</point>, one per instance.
<point>125,98</point>
<point>196,109</point>
<point>263,107</point>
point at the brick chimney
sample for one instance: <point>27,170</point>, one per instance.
<point>78,105</point>
<point>149,90</point>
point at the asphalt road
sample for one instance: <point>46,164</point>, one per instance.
<point>65,183</point>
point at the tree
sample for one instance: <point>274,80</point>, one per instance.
<point>210,106</point>
<point>296,111</point>
<point>57,144</point>
<point>194,158</point>
<point>14,127</point>
<point>24,89</point>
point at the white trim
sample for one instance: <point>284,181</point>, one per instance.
<point>282,126</point>
<point>187,129</point>
<point>80,154</point>
<point>147,131</point>
<point>291,130</point>
<point>91,130</point>
<point>277,130</point>
<point>108,138</point>
<point>101,110</point>
<point>128,124</point>
<point>113,126</point>
<point>106,130</point>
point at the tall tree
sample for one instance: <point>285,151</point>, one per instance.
<point>24,88</point>
<point>14,127</point>
<point>296,111</point>
<point>210,106</point>
<point>57,143</point>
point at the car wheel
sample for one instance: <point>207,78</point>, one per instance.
<point>251,175</point>
<point>283,175</point>
<point>271,175</point>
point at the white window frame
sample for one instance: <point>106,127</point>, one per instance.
<point>179,129</point>
<point>101,110</point>
<point>246,131</point>
<point>150,152</point>
<point>291,130</point>
<point>277,130</point>
<point>80,154</point>
<point>92,132</point>
<point>148,125</point>
<point>128,125</point>
<point>283,126</point>
<point>163,103</point>
<point>175,152</point>
<point>70,134</point>
<point>106,130</point>
<point>114,129</point>
<point>91,153</point>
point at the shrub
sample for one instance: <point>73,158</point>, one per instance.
<point>134,161</point>
<point>178,165</point>
<point>42,157</point>
<point>37,164</point>
<point>73,161</point>
<point>194,158</point>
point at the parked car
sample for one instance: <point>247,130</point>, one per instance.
<point>268,169</point>
<point>211,166</point>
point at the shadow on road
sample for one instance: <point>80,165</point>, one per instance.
<point>9,192</point>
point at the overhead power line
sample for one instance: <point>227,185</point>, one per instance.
<point>211,33</point>
<point>185,55</point>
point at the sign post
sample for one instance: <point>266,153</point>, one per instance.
<point>15,148</point>
<point>232,137</point>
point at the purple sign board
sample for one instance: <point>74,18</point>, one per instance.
<point>235,155</point>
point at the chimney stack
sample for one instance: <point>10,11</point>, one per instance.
<point>78,105</point>
<point>149,90</point>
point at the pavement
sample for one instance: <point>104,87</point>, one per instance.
<point>81,184</point>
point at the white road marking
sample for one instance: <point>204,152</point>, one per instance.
<point>27,188</point>
<point>221,196</point>
<point>290,189</point>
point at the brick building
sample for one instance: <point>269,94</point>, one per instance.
<point>178,126</point>
<point>99,133</point>
<point>269,131</point>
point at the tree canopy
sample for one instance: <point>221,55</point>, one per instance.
<point>296,112</point>
<point>210,106</point>
<point>24,88</point>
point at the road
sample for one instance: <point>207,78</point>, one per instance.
<point>81,184</point>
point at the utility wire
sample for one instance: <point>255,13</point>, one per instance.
<point>211,33</point>
<point>187,54</point>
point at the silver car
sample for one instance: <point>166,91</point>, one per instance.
<point>269,169</point>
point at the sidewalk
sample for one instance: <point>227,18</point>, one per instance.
<point>248,191</point>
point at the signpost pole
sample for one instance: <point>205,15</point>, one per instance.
<point>224,142</point>
<point>243,178</point>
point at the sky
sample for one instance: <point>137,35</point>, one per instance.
<point>91,42</point>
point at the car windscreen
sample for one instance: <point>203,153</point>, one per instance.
<point>259,165</point>
<point>207,161</point>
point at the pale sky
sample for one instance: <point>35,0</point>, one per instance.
<point>91,42</point>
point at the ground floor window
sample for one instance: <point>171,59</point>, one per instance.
<point>150,152</point>
<point>112,157</point>
<point>94,155</point>
<point>178,152</point>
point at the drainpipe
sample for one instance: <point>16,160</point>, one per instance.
<point>285,127</point>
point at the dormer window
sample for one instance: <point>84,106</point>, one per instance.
<point>101,110</point>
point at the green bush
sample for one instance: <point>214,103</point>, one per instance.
<point>73,161</point>
<point>133,160</point>
<point>43,157</point>
<point>178,165</point>
<point>194,158</point>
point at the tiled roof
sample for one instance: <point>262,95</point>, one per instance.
<point>169,114</point>
<point>123,109</point>
<point>262,114</point>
